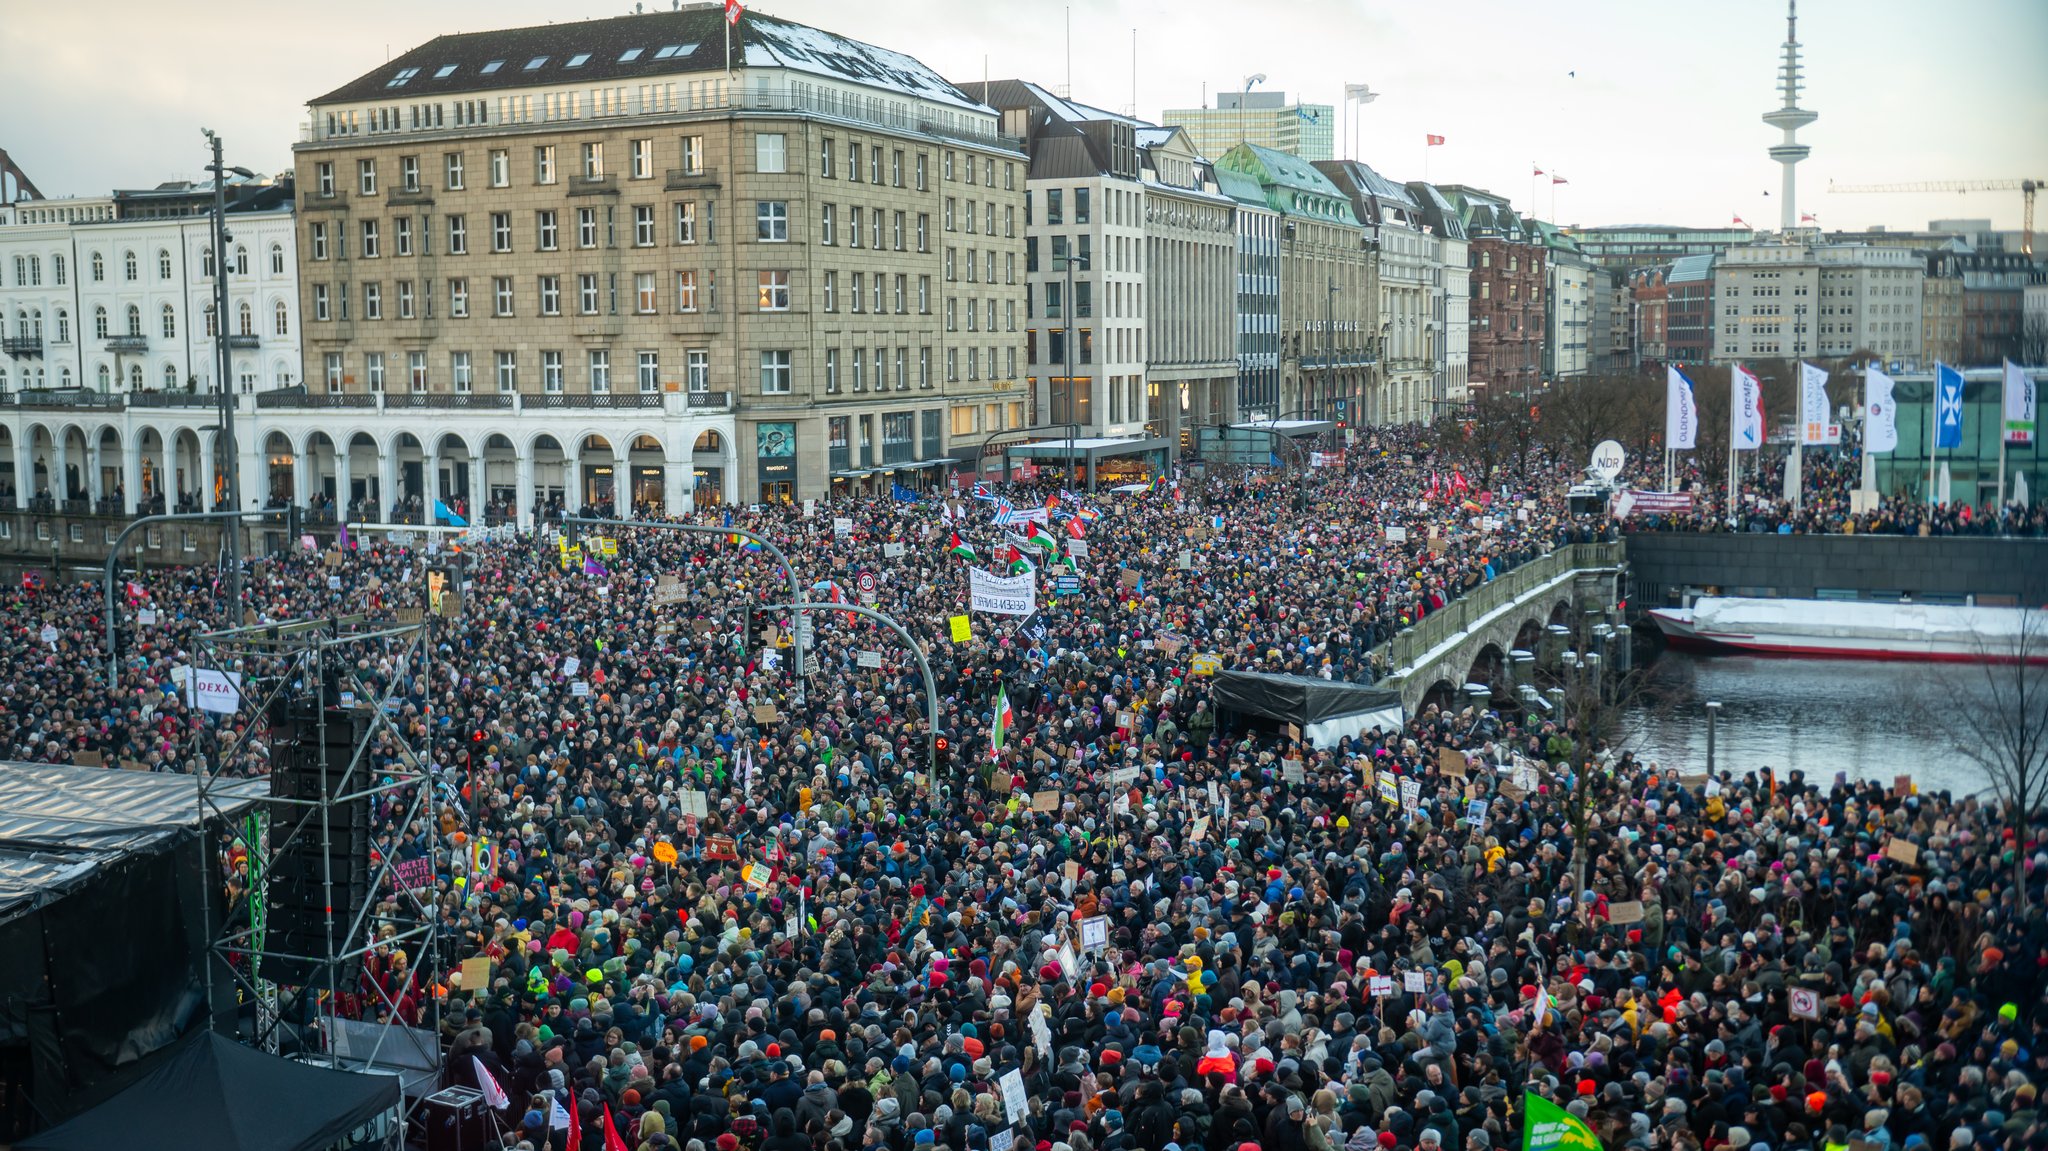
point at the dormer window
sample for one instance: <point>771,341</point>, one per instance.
<point>535,63</point>
<point>578,60</point>
<point>493,66</point>
<point>445,71</point>
<point>404,75</point>
<point>630,55</point>
<point>672,50</point>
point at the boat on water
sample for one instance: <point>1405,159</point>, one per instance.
<point>1842,629</point>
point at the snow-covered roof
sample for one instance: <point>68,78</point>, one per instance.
<point>773,43</point>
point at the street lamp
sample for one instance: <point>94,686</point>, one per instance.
<point>222,366</point>
<point>1067,263</point>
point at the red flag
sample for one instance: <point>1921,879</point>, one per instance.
<point>1433,141</point>
<point>1557,179</point>
<point>1458,482</point>
<point>733,8</point>
<point>1738,221</point>
<point>1535,169</point>
<point>1076,528</point>
<point>612,1142</point>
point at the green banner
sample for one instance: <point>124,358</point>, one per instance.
<point>1548,1127</point>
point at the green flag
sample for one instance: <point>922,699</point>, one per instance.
<point>1548,1127</point>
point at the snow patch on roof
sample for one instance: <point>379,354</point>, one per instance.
<point>773,43</point>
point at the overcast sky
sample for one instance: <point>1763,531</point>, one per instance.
<point>1659,124</point>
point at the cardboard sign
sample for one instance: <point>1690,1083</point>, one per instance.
<point>963,628</point>
<point>331,559</point>
<point>1205,665</point>
<point>665,853</point>
<point>1001,782</point>
<point>765,713</point>
<point>146,617</point>
<point>1381,986</point>
<point>842,525</point>
<point>1903,851</point>
<point>1094,932</point>
<point>1016,1100</point>
<point>133,765</point>
<point>1185,561</point>
<point>892,551</point>
<point>412,874</point>
<point>1625,912</point>
<point>1397,534</point>
<point>1045,801</point>
<point>720,847</point>
<point>572,665</point>
<point>693,803</point>
<point>1804,1002</point>
<point>1002,1140</point>
<point>1128,580</point>
<point>579,688</point>
<point>1078,549</point>
<point>869,659</point>
<point>476,973</point>
<point>1902,786</point>
<point>409,615</point>
<point>334,583</point>
<point>88,759</point>
<point>1292,771</point>
<point>1413,981</point>
<point>1451,762</point>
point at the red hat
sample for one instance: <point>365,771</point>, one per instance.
<point>775,1051</point>
<point>1586,1087</point>
<point>1262,1066</point>
<point>1387,1139</point>
<point>1112,1057</point>
<point>1816,1101</point>
<point>1097,990</point>
<point>1778,1092</point>
<point>728,1142</point>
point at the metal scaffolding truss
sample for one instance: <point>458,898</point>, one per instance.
<point>311,666</point>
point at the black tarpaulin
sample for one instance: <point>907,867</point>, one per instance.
<point>211,1092</point>
<point>1296,699</point>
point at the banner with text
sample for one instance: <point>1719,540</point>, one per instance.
<point>1001,595</point>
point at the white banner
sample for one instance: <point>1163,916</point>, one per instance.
<point>2019,405</point>
<point>1001,595</point>
<point>1814,410</point>
<point>1881,419</point>
<point>215,691</point>
<point>1681,412</point>
<point>1745,409</point>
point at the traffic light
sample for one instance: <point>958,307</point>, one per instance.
<point>124,639</point>
<point>942,755</point>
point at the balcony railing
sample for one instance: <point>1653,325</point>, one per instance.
<point>299,397</point>
<point>129,343</point>
<point>245,341</point>
<point>605,185</point>
<point>39,398</point>
<point>590,399</point>
<point>680,178</point>
<point>710,401</point>
<point>457,400</point>
<point>24,346</point>
<point>173,400</point>
<point>399,197</point>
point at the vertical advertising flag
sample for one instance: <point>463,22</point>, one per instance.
<point>1948,407</point>
<point>1681,412</point>
<point>2019,405</point>
<point>1745,409</point>
<point>1880,418</point>
<point>1814,409</point>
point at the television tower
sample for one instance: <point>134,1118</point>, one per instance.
<point>1791,118</point>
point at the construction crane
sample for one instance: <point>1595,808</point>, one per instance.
<point>2026,188</point>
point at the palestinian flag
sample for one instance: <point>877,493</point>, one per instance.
<point>999,731</point>
<point>1038,538</point>
<point>1015,559</point>
<point>962,549</point>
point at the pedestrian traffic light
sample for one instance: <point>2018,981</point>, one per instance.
<point>942,754</point>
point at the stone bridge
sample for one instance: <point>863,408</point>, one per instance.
<point>1469,640</point>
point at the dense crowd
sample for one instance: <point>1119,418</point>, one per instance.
<point>1140,925</point>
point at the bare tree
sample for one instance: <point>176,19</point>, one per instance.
<point>2034,339</point>
<point>1996,716</point>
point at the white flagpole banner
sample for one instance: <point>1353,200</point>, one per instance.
<point>2019,405</point>
<point>1815,426</point>
<point>1001,595</point>
<point>1746,409</point>
<point>1681,412</point>
<point>1881,419</point>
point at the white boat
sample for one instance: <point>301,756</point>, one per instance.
<point>1845,629</point>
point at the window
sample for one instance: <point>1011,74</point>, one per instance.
<point>875,164</point>
<point>643,293</point>
<point>952,260</point>
<point>825,158</point>
<point>686,223</point>
<point>458,236</point>
<point>534,64</point>
<point>324,178</point>
<point>768,152</point>
<point>924,368</point>
<point>924,227</point>
<point>501,168</point>
<point>373,301</point>
<point>857,286</point>
<point>373,370</point>
<point>64,326</point>
<point>952,365</point>
<point>686,291</point>
<point>853,222</point>
<point>831,370</point>
<point>508,371</point>
<point>902,281</point>
<point>551,372</point>
<point>921,174</point>
<point>853,161</point>
<point>320,308</point>
<point>643,225</point>
<point>551,295</point>
<point>831,291</point>
<point>593,160</point>
<point>544,164</point>
<point>586,294</point>
<point>693,155</point>
<point>170,323</point>
<point>501,295</point>
<point>650,373</point>
<point>128,266</point>
<point>459,371</point>
<point>771,221</point>
<point>586,227</point>
<point>405,300</point>
<point>99,269</point>
<point>366,177</point>
<point>316,237</point>
<point>924,295</point>
<point>409,173</point>
<point>163,266</point>
<point>416,371</point>
<point>827,218</point>
<point>697,362</point>
<point>1080,206</point>
<point>896,231</point>
<point>774,291</point>
<point>1055,209</point>
<point>501,231</point>
<point>600,370</point>
<point>947,217</point>
<point>547,226</point>
<point>859,374</point>
<point>775,372</point>
<point>947,165</point>
<point>458,299</point>
<point>578,60</point>
<point>643,159</point>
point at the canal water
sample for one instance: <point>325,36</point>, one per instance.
<point>1817,716</point>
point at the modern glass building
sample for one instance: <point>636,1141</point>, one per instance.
<point>1973,467</point>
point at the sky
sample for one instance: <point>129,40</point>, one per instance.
<point>1650,110</point>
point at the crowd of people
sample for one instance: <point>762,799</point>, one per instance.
<point>720,915</point>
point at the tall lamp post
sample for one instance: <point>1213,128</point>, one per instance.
<point>1070,417</point>
<point>223,368</point>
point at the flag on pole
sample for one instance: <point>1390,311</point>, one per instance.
<point>1880,418</point>
<point>960,548</point>
<point>1808,218</point>
<point>612,1142</point>
<point>1681,412</point>
<point>494,1094</point>
<point>1433,141</point>
<point>2019,405</point>
<point>1036,536</point>
<point>1557,179</point>
<point>733,8</point>
<point>1745,409</point>
<point>999,731</point>
<point>341,539</point>
<point>1739,222</point>
<point>980,491</point>
<point>1540,1012</point>
<point>593,568</point>
<point>1815,423</point>
<point>1078,528</point>
<point>1548,1127</point>
<point>1948,407</point>
<point>1535,169</point>
<point>560,1119</point>
<point>441,512</point>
